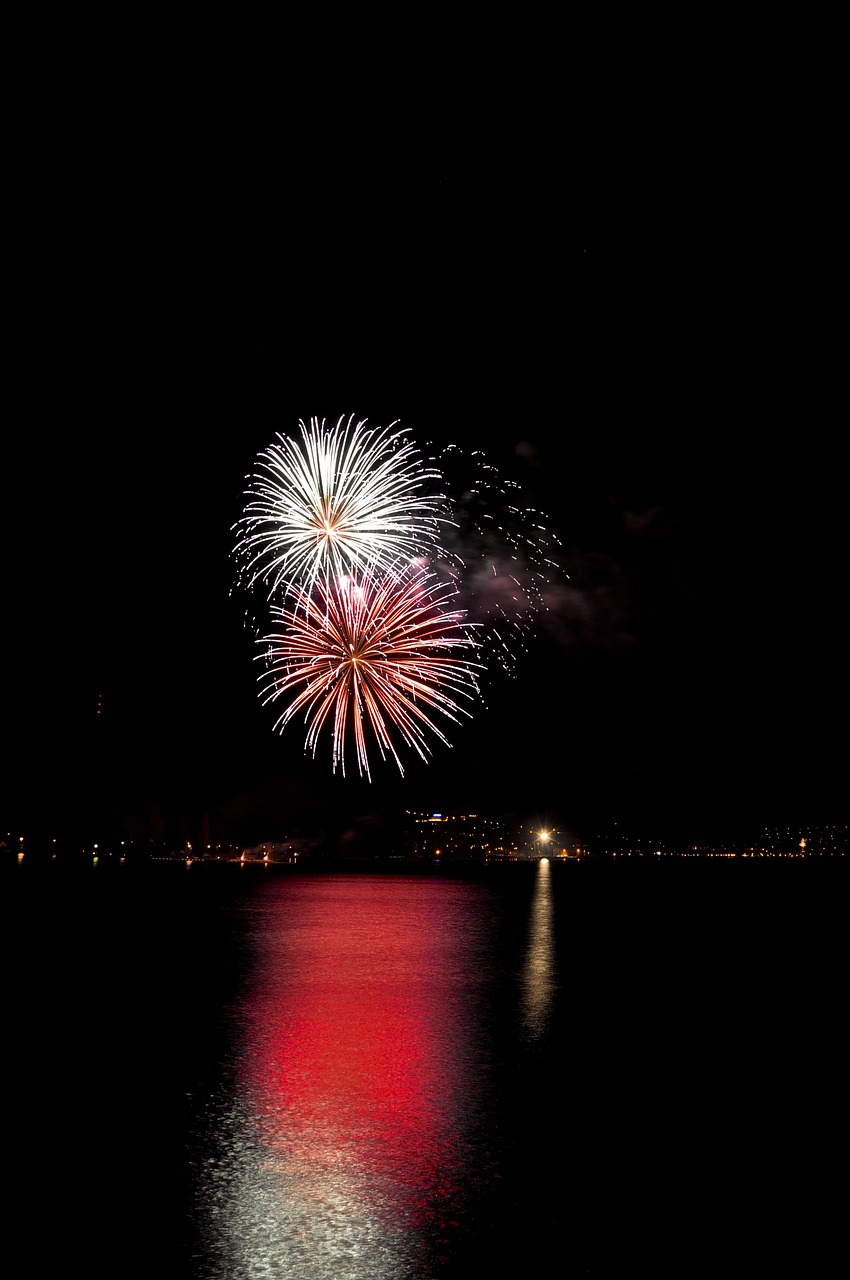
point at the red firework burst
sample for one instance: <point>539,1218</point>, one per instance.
<point>376,649</point>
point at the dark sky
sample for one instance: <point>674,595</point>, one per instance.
<point>641,336</point>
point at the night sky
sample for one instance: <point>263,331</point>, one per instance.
<point>641,337</point>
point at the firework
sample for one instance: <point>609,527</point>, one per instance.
<point>335,500</point>
<point>359,545</point>
<point>499,553</point>
<point>371,653</point>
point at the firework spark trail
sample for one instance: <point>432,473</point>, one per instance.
<point>374,651</point>
<point>334,501</point>
<point>499,553</point>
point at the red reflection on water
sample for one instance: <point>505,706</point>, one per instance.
<point>357,1061</point>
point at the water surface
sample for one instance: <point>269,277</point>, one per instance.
<point>223,1073</point>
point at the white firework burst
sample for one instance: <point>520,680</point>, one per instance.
<point>333,501</point>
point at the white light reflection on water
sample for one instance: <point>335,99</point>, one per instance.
<point>538,973</point>
<point>349,1143</point>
